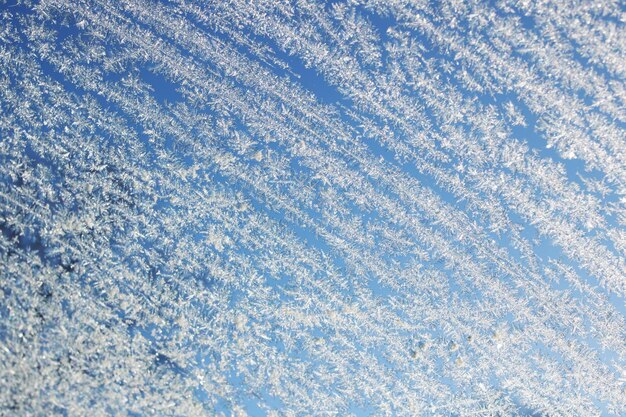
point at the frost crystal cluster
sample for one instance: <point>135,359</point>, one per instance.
<point>312,208</point>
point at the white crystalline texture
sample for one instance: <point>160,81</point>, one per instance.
<point>268,208</point>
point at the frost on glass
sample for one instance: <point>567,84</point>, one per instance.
<point>269,208</point>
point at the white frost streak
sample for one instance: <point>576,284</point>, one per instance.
<point>264,208</point>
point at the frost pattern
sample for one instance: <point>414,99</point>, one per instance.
<point>292,208</point>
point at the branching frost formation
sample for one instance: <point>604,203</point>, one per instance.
<point>268,208</point>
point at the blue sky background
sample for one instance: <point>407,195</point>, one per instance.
<point>353,255</point>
